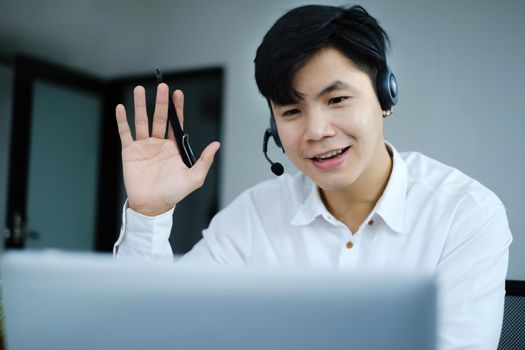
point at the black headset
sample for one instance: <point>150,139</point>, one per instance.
<point>387,92</point>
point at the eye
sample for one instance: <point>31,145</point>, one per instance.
<point>290,112</point>
<point>336,100</point>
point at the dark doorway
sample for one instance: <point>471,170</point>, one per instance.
<point>54,157</point>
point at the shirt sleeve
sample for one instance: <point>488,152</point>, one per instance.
<point>225,242</point>
<point>144,237</point>
<point>471,279</point>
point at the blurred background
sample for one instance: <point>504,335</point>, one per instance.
<point>65,64</point>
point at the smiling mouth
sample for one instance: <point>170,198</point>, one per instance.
<point>330,155</point>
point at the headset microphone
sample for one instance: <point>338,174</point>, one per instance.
<point>277,168</point>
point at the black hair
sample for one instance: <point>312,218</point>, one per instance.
<point>302,32</point>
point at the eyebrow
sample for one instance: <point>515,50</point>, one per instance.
<point>336,85</point>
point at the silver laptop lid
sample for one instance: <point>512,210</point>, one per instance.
<point>70,301</point>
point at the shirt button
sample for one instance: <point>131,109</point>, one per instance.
<point>349,244</point>
<point>371,222</point>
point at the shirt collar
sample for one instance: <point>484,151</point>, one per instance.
<point>391,205</point>
<point>311,208</point>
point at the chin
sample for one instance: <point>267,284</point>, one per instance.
<point>333,182</point>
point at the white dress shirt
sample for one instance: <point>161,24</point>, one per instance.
<point>431,218</point>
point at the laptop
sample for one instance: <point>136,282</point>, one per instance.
<point>57,300</point>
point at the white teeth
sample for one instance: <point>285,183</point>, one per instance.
<point>329,155</point>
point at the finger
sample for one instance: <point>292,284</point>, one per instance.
<point>160,115</point>
<point>141,116</point>
<point>123,127</point>
<point>178,102</point>
<point>201,168</point>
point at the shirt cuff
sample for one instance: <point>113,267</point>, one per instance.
<point>144,236</point>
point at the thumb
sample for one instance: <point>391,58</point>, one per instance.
<point>202,166</point>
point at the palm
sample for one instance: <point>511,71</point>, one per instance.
<point>155,176</point>
<point>151,168</point>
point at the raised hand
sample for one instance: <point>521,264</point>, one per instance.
<point>155,175</point>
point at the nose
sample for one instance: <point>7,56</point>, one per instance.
<point>318,126</point>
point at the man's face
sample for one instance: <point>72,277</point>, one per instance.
<point>335,134</point>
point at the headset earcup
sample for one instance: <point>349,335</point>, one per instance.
<point>387,89</point>
<point>275,134</point>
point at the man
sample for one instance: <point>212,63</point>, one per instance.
<point>356,204</point>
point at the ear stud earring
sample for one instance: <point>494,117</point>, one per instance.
<point>387,113</point>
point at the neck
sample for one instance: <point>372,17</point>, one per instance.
<point>353,204</point>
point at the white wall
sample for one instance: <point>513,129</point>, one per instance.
<point>458,64</point>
